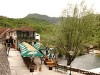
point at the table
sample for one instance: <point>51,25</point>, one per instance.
<point>50,65</point>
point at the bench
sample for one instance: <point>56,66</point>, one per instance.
<point>30,64</point>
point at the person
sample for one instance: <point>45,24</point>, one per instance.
<point>47,48</point>
<point>9,44</point>
<point>56,65</point>
<point>40,68</point>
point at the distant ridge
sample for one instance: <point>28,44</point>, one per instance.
<point>52,20</point>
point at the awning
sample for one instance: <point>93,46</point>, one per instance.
<point>36,46</point>
<point>28,51</point>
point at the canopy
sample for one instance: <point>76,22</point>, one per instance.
<point>37,46</point>
<point>28,51</point>
<point>29,46</point>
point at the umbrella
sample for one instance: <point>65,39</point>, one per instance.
<point>28,51</point>
<point>36,46</point>
<point>28,46</point>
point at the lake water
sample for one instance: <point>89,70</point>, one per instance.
<point>88,61</point>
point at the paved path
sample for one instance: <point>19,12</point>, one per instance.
<point>18,67</point>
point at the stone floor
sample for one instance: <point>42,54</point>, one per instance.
<point>18,67</point>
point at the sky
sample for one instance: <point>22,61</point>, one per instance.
<point>52,8</point>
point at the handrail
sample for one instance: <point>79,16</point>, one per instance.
<point>82,71</point>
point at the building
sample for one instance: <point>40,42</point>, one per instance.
<point>3,32</point>
<point>25,33</point>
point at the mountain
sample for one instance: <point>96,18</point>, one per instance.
<point>52,20</point>
<point>10,22</point>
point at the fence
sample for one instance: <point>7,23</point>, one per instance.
<point>82,71</point>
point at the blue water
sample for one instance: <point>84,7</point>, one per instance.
<point>88,61</point>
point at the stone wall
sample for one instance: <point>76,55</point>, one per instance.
<point>4,64</point>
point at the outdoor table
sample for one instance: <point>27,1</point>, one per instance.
<point>50,65</point>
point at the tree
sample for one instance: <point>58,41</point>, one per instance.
<point>96,36</point>
<point>75,30</point>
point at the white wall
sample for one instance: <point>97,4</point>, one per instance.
<point>37,36</point>
<point>14,35</point>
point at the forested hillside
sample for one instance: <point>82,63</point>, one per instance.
<point>52,20</point>
<point>10,22</point>
<point>39,24</point>
<point>43,27</point>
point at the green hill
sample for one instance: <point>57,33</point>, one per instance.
<point>38,24</point>
<point>10,22</point>
<point>52,20</point>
